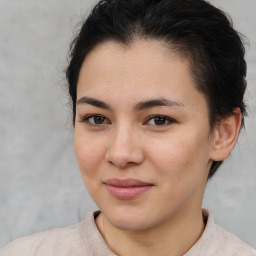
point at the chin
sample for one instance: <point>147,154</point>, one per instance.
<point>130,219</point>
<point>130,224</point>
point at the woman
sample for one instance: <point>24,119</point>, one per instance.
<point>157,91</point>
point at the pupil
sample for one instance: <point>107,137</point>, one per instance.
<point>159,120</point>
<point>98,119</point>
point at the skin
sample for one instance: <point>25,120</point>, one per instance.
<point>175,156</point>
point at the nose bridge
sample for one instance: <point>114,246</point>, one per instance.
<point>124,146</point>
<point>122,141</point>
<point>123,134</point>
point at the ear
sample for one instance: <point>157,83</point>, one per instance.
<point>225,135</point>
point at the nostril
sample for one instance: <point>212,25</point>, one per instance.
<point>124,158</point>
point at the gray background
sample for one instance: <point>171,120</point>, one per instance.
<point>40,185</point>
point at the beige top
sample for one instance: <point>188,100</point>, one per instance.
<point>84,239</point>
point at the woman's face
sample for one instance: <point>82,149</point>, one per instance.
<point>142,135</point>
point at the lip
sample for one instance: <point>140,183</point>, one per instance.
<point>127,189</point>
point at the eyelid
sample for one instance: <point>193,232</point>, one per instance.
<point>85,119</point>
<point>169,119</point>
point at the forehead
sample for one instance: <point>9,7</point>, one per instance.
<point>143,69</point>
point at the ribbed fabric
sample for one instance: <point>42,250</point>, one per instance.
<point>84,239</point>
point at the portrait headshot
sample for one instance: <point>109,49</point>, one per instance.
<point>128,128</point>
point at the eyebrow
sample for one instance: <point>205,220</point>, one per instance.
<point>94,102</point>
<point>138,107</point>
<point>157,102</point>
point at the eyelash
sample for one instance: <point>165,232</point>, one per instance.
<point>85,119</point>
<point>166,118</point>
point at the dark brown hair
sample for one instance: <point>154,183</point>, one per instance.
<point>194,28</point>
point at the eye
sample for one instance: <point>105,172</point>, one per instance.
<point>95,120</point>
<point>159,120</point>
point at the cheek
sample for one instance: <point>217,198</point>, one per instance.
<point>89,152</point>
<point>169,152</point>
<point>179,167</point>
<point>179,156</point>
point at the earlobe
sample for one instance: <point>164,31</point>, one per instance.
<point>225,135</point>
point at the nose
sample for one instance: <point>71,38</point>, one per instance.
<point>125,149</point>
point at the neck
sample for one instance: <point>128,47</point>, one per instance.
<point>173,237</point>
